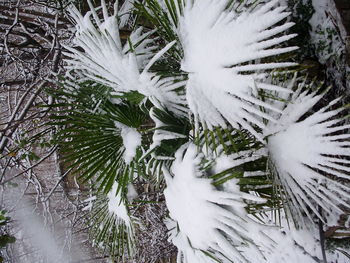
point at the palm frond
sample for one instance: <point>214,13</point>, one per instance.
<point>236,155</point>
<point>163,15</point>
<point>169,133</point>
<point>218,43</point>
<point>129,68</point>
<point>309,153</point>
<point>207,219</point>
<point>94,138</point>
<point>111,226</point>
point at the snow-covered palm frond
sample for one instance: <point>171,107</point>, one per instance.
<point>168,127</point>
<point>124,69</point>
<point>111,225</point>
<point>186,253</point>
<point>116,206</point>
<point>209,221</point>
<point>230,37</point>
<point>170,132</point>
<point>216,42</point>
<point>98,138</point>
<point>311,155</point>
<point>284,247</point>
<point>103,59</point>
<point>162,92</point>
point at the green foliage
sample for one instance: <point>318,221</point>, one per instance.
<point>302,12</point>
<point>5,239</point>
<point>109,232</point>
<point>89,118</point>
<point>252,175</point>
<point>88,136</point>
<point>178,126</point>
<point>164,22</point>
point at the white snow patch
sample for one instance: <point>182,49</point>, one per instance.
<point>132,194</point>
<point>206,217</point>
<point>216,42</point>
<point>299,149</point>
<point>125,69</point>
<point>125,13</point>
<point>131,140</point>
<point>224,162</point>
<point>116,205</point>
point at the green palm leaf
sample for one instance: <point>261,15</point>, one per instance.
<point>90,135</point>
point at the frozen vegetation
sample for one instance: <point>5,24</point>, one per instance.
<point>203,112</point>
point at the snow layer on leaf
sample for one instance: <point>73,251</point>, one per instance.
<point>207,219</point>
<point>299,103</point>
<point>125,69</point>
<point>89,202</point>
<point>284,249</point>
<point>125,12</point>
<point>224,162</point>
<point>308,155</point>
<point>117,206</point>
<point>162,94</point>
<point>131,140</point>
<point>215,38</point>
<point>186,253</point>
<point>103,59</point>
<point>216,42</point>
<point>160,133</point>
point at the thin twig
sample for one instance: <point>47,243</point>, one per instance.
<point>57,183</point>
<point>31,167</point>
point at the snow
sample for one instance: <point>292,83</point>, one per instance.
<point>224,162</point>
<point>186,253</point>
<point>132,194</point>
<point>207,219</point>
<point>40,236</point>
<point>124,69</point>
<point>131,140</point>
<point>223,88</point>
<point>216,42</point>
<point>302,150</point>
<point>204,218</point>
<point>90,201</point>
<point>117,206</point>
<point>125,13</point>
<point>102,59</point>
<point>328,36</point>
<point>284,249</point>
